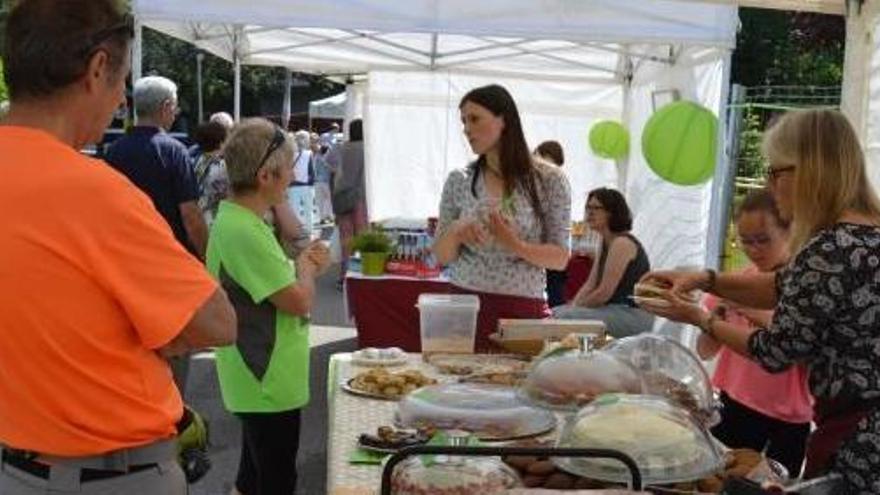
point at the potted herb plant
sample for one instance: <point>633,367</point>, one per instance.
<point>374,247</point>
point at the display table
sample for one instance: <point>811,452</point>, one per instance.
<point>384,308</point>
<point>350,415</point>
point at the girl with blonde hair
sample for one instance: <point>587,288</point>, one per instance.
<point>827,299</point>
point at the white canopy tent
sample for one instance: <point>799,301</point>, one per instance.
<point>568,63</point>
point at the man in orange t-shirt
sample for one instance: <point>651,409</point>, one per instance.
<point>95,292</point>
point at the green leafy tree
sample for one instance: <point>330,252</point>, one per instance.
<point>262,88</point>
<point>4,94</point>
<point>789,48</point>
<point>750,162</point>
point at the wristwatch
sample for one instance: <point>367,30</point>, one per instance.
<point>709,284</point>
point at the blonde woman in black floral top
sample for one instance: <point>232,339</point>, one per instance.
<point>827,300</point>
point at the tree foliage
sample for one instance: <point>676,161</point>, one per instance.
<point>4,94</point>
<point>750,162</point>
<point>789,48</point>
<point>262,88</point>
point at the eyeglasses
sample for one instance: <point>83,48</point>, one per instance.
<point>759,240</point>
<point>774,173</point>
<point>595,208</point>
<point>277,140</point>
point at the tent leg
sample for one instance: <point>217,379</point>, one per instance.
<point>199,58</point>
<point>236,64</point>
<point>285,107</point>
<point>137,57</point>
<point>723,181</point>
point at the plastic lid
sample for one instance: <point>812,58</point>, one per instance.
<point>569,379</point>
<point>671,370</point>
<point>667,443</point>
<point>449,300</point>
<point>491,412</point>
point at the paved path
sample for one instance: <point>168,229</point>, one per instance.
<point>330,333</point>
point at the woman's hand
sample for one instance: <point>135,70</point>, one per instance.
<point>681,283</point>
<point>503,232</point>
<point>470,232</point>
<point>315,258</point>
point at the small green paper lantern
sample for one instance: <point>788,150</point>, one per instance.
<point>680,143</point>
<point>609,139</point>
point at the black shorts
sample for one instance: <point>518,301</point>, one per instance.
<point>269,444</point>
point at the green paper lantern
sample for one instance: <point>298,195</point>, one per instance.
<point>680,143</point>
<point>609,139</point>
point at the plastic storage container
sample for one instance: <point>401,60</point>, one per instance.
<point>448,322</point>
<point>666,442</point>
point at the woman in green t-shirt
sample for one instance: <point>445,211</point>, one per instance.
<point>264,377</point>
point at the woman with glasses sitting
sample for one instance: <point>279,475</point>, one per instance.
<point>264,377</point>
<point>607,293</point>
<point>766,412</point>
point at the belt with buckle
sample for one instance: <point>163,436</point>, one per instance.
<point>25,462</point>
<point>90,468</point>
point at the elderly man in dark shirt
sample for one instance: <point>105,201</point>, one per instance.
<point>159,165</point>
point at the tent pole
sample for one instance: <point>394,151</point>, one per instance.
<point>137,58</point>
<point>199,58</point>
<point>623,165</point>
<point>856,91</point>
<point>725,171</point>
<point>236,64</point>
<point>285,106</point>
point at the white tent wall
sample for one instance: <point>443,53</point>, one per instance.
<point>672,221</point>
<point>414,134</point>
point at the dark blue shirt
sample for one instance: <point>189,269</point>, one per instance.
<point>160,166</point>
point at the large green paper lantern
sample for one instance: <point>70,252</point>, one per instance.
<point>680,143</point>
<point>610,140</point>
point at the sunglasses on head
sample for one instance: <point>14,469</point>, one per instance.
<point>277,141</point>
<point>126,26</point>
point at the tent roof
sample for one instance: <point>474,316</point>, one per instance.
<point>552,39</point>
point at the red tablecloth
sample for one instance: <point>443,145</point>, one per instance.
<point>384,308</point>
<point>578,270</point>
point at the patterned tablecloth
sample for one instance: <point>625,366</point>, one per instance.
<point>349,416</point>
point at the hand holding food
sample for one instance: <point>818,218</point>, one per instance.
<point>677,282</point>
<point>470,232</point>
<point>316,257</point>
<point>502,230</point>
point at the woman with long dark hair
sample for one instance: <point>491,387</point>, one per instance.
<point>504,219</point>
